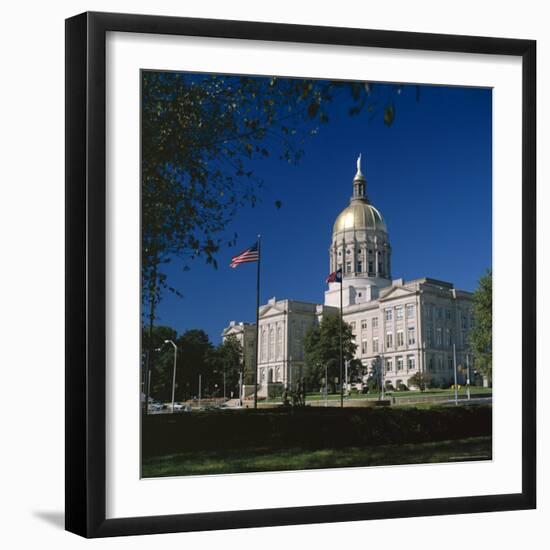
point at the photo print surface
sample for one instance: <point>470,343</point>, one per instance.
<point>316,274</point>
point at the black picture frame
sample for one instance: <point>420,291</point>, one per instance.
<point>86,274</point>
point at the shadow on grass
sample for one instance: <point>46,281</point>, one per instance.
<point>296,458</point>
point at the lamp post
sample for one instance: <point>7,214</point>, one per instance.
<point>174,374</point>
<point>200,390</point>
<point>241,389</point>
<point>455,374</point>
<point>468,374</point>
<point>326,385</point>
<point>346,377</point>
<point>148,391</point>
<point>382,380</point>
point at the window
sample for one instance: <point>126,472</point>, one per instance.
<point>399,363</point>
<point>429,311</point>
<point>410,311</point>
<point>429,340</point>
<point>359,266</point>
<point>348,251</point>
<point>399,313</point>
<point>448,314</point>
<point>389,315</point>
<point>464,322</point>
<point>389,340</point>
<point>450,363</point>
<point>352,325</point>
<point>411,336</point>
<point>364,347</point>
<point>375,345</point>
<point>371,268</point>
<point>440,313</point>
<point>449,337</point>
<point>439,363</point>
<point>410,362</point>
<point>400,340</point>
<point>431,364</point>
<point>389,365</point>
<point>279,342</point>
<point>363,324</point>
<point>348,267</point>
<point>439,337</point>
<point>375,322</point>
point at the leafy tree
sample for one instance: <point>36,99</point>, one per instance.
<point>374,377</point>
<point>162,364</point>
<point>194,359</point>
<point>481,334</point>
<point>226,362</point>
<point>420,380</point>
<point>356,370</point>
<point>322,347</point>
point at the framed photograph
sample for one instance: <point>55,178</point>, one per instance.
<point>300,274</point>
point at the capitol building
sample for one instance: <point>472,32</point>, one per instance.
<point>400,326</point>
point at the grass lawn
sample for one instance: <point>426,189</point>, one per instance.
<point>295,458</point>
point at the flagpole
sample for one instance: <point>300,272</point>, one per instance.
<point>257,325</point>
<point>341,344</point>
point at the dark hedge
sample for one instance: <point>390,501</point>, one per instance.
<point>310,428</point>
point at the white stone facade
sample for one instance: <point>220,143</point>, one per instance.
<point>412,327</point>
<point>406,326</point>
<point>283,326</point>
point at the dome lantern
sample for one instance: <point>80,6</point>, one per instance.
<point>359,183</point>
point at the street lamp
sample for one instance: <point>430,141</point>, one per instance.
<point>382,378</point>
<point>174,375</point>
<point>326,385</point>
<point>468,374</point>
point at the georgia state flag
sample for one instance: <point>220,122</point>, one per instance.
<point>335,277</point>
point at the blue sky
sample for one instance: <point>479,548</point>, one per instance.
<point>430,175</point>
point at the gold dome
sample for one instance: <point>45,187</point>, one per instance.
<point>359,215</point>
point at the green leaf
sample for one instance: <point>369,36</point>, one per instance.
<point>389,115</point>
<point>312,109</point>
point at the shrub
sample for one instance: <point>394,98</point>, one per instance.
<point>309,427</point>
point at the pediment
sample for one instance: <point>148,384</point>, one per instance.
<point>395,292</point>
<point>232,330</point>
<point>269,310</point>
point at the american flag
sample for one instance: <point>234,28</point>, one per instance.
<point>248,255</point>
